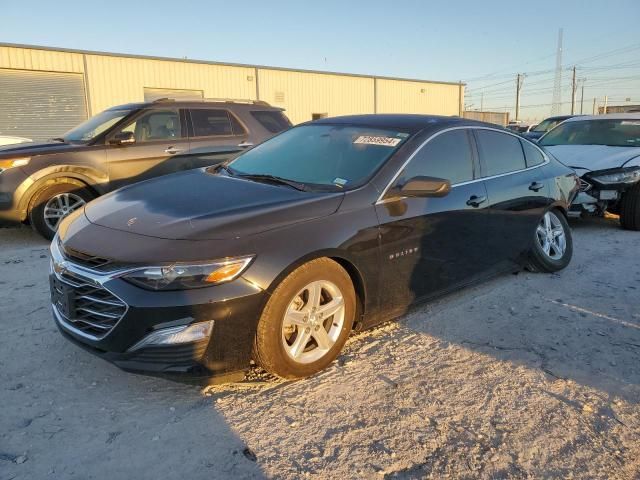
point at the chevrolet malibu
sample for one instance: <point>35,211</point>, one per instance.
<point>329,227</point>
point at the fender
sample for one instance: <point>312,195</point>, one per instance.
<point>94,179</point>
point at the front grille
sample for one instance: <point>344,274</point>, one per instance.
<point>584,186</point>
<point>88,307</point>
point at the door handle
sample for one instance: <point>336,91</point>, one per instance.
<point>172,150</point>
<point>245,144</point>
<point>535,186</point>
<point>476,200</point>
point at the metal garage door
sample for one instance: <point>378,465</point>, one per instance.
<point>40,105</point>
<point>151,94</point>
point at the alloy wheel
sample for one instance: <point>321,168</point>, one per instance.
<point>59,206</point>
<point>551,236</point>
<point>313,321</point>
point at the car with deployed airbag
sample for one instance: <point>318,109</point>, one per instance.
<point>605,152</point>
<point>278,255</point>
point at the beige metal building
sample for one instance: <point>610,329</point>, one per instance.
<point>46,91</point>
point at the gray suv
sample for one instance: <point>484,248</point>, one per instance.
<point>41,183</point>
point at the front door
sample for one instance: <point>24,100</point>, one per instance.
<point>160,147</point>
<point>430,245</point>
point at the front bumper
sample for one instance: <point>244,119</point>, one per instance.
<point>118,315</point>
<point>595,197</point>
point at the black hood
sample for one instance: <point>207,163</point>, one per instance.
<point>199,205</point>
<point>36,148</point>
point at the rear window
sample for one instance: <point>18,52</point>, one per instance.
<point>209,122</point>
<point>274,122</point>
<point>499,152</point>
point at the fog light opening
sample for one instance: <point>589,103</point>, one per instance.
<point>176,335</point>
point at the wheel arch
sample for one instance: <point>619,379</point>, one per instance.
<point>87,177</point>
<point>343,259</point>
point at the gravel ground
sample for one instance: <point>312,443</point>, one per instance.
<point>525,376</point>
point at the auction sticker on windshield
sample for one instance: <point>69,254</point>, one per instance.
<point>374,140</point>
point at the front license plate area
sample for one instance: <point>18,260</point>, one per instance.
<point>608,194</point>
<point>62,296</point>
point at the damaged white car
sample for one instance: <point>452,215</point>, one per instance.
<point>605,152</point>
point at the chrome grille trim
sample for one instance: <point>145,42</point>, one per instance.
<point>584,186</point>
<point>97,309</point>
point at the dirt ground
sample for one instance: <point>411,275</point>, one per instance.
<point>525,376</point>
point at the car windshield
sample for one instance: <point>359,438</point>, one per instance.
<point>334,156</point>
<point>545,125</point>
<point>611,132</point>
<point>96,125</point>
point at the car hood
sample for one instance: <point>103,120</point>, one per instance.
<point>199,205</point>
<point>593,157</point>
<point>34,148</point>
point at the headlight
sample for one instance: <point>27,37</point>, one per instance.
<point>623,175</point>
<point>181,276</point>
<point>14,162</point>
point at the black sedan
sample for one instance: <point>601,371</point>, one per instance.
<point>278,255</point>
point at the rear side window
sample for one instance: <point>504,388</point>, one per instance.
<point>499,152</point>
<point>210,122</point>
<point>274,122</point>
<point>447,156</point>
<point>532,155</point>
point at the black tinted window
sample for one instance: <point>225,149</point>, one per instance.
<point>447,156</point>
<point>207,122</point>
<point>273,121</point>
<point>238,129</point>
<point>532,155</point>
<point>499,152</point>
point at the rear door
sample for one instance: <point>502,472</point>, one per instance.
<point>160,143</point>
<point>517,189</point>
<point>216,135</point>
<point>429,245</point>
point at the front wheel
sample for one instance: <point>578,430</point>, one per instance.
<point>54,202</point>
<point>552,245</point>
<point>306,321</point>
<point>630,208</point>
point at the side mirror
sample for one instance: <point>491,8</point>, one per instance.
<point>123,138</point>
<point>426,187</point>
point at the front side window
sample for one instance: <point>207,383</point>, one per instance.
<point>446,156</point>
<point>155,125</point>
<point>337,156</point>
<point>96,125</point>
<point>211,122</point>
<point>499,152</point>
<point>613,133</point>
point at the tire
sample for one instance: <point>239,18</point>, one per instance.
<point>630,209</point>
<point>278,339</point>
<point>560,250</point>
<point>42,203</point>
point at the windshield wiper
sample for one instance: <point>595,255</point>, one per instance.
<point>58,139</point>
<point>274,179</point>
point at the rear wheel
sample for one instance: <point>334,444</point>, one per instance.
<point>306,321</point>
<point>54,202</point>
<point>630,209</point>
<point>553,245</point>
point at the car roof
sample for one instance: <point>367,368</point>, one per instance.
<point>411,123</point>
<point>235,104</point>
<point>607,116</point>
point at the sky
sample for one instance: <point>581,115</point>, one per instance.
<point>483,43</point>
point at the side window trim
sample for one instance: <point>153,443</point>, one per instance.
<point>481,179</point>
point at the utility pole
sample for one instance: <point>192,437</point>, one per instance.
<point>582,96</point>
<point>593,112</point>
<point>519,79</point>
<point>574,88</point>
<point>606,99</point>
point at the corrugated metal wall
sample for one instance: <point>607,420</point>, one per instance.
<point>303,94</point>
<point>113,80</point>
<point>403,96</point>
<point>499,118</point>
